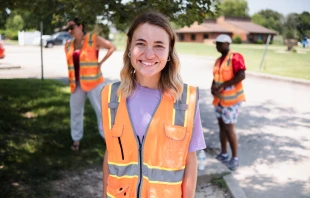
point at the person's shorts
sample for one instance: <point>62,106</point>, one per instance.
<point>229,115</point>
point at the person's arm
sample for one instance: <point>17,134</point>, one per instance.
<point>102,43</point>
<point>105,174</point>
<point>240,76</point>
<point>190,176</point>
<point>213,88</point>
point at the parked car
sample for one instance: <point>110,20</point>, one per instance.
<point>59,38</point>
<point>36,41</point>
<point>2,50</point>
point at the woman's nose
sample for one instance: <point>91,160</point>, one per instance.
<point>149,53</point>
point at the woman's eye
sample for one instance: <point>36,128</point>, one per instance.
<point>140,44</point>
<point>159,46</point>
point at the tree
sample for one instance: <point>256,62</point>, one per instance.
<point>234,8</point>
<point>56,12</point>
<point>269,19</point>
<point>303,25</point>
<point>291,23</point>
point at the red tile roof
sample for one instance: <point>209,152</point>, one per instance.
<point>204,27</point>
<point>212,26</point>
<point>250,27</point>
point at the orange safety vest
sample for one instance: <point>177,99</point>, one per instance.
<point>154,166</point>
<point>222,73</point>
<point>90,74</point>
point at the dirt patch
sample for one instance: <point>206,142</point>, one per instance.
<point>84,184</point>
<point>88,183</point>
<point>209,190</point>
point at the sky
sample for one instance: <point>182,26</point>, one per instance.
<point>282,6</point>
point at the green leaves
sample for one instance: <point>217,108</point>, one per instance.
<point>55,13</point>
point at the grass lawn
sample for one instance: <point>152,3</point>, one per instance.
<point>277,61</point>
<point>35,137</point>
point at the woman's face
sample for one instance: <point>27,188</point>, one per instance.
<point>73,29</point>
<point>149,50</point>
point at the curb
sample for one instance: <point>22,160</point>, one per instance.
<point>234,187</point>
<point>277,78</point>
<point>8,66</point>
<point>215,169</point>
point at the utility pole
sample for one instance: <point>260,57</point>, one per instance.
<point>267,43</point>
<point>41,42</point>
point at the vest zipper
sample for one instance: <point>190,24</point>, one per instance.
<point>121,147</point>
<point>140,160</point>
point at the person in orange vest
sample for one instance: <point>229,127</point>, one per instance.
<point>85,75</point>
<point>2,50</point>
<point>151,119</point>
<point>227,89</point>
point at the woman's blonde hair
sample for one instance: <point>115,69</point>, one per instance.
<point>170,79</point>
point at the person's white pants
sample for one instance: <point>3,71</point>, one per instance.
<point>77,102</point>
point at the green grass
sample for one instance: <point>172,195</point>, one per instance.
<point>35,137</point>
<point>277,60</point>
<point>220,182</point>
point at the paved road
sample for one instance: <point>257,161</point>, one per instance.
<point>273,128</point>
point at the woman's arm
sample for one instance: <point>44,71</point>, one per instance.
<point>105,174</point>
<point>190,176</point>
<point>102,43</point>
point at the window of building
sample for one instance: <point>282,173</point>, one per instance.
<point>205,36</point>
<point>181,37</point>
<point>193,37</point>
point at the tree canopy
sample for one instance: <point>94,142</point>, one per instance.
<point>234,8</point>
<point>55,13</point>
<point>269,19</point>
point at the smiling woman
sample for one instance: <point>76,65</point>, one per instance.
<point>151,119</point>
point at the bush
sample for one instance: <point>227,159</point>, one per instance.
<point>294,50</point>
<point>237,40</point>
<point>11,34</point>
<point>259,41</point>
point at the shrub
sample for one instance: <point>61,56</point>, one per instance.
<point>259,41</point>
<point>237,40</point>
<point>11,34</point>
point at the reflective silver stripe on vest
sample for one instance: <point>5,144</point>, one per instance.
<point>88,64</point>
<point>91,77</point>
<point>113,104</point>
<point>229,59</point>
<point>233,97</point>
<point>180,107</point>
<point>68,45</point>
<point>109,196</point>
<point>70,67</point>
<point>123,171</point>
<point>153,174</point>
<point>90,39</point>
<point>159,175</point>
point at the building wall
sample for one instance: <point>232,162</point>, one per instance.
<point>187,37</point>
<point>254,37</point>
<point>199,37</point>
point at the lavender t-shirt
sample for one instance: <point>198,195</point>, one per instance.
<point>141,114</point>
